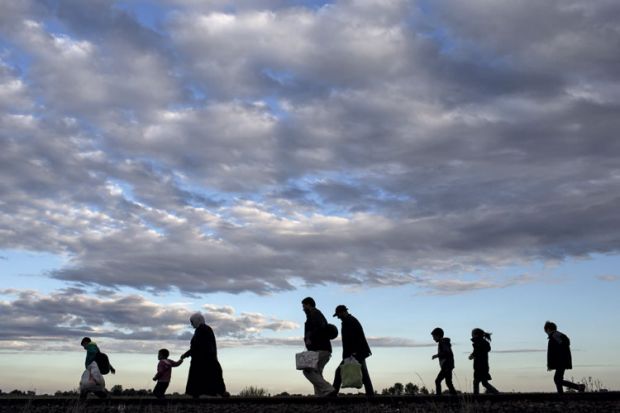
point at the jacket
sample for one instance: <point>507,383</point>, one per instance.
<point>353,339</point>
<point>558,352</point>
<point>314,330</point>
<point>445,355</point>
<point>481,358</point>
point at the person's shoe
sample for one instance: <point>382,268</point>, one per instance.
<point>332,394</point>
<point>581,388</point>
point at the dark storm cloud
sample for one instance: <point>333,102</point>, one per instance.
<point>361,143</point>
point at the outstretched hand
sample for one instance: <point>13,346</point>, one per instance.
<point>112,370</point>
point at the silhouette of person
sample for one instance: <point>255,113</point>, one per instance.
<point>316,339</point>
<point>164,373</point>
<point>205,372</point>
<point>92,379</point>
<point>354,344</point>
<point>446,360</point>
<point>481,342</point>
<point>559,358</point>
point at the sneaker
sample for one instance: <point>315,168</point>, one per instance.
<point>581,388</point>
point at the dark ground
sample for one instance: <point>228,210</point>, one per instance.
<point>510,402</point>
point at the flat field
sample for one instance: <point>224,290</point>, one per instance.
<point>510,402</point>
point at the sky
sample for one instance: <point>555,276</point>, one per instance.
<point>426,163</point>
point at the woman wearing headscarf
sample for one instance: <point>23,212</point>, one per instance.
<point>205,372</point>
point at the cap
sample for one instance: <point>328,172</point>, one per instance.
<point>340,308</point>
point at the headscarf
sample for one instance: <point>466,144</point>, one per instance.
<point>197,319</point>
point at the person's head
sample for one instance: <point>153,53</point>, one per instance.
<point>85,341</point>
<point>197,320</point>
<point>308,303</point>
<point>341,311</point>
<point>163,354</point>
<point>550,327</point>
<point>437,334</point>
<point>478,332</point>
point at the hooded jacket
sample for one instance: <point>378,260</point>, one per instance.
<point>445,355</point>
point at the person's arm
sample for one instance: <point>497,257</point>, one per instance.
<point>176,363</point>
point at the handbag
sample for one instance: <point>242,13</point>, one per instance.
<point>307,360</point>
<point>351,373</point>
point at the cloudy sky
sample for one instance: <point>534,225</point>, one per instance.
<point>427,163</point>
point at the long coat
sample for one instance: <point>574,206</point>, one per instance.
<point>205,372</point>
<point>481,358</point>
<point>558,352</point>
<point>353,339</point>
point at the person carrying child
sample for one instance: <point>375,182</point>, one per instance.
<point>446,360</point>
<point>481,342</point>
<point>164,373</point>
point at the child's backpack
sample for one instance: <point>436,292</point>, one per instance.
<point>103,362</point>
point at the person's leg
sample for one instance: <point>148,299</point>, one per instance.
<point>370,391</point>
<point>160,389</point>
<point>476,386</point>
<point>438,381</point>
<point>337,378</point>
<point>315,376</point>
<point>558,378</point>
<point>489,387</point>
<point>579,387</point>
<point>83,394</point>
<point>448,376</point>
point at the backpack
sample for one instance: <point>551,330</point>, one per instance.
<point>331,331</point>
<point>103,362</point>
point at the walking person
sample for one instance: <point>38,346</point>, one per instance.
<point>164,373</point>
<point>446,361</point>
<point>316,339</point>
<point>354,344</point>
<point>559,358</point>
<point>205,372</point>
<point>481,342</point>
<point>92,379</point>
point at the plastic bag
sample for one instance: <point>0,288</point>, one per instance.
<point>351,373</point>
<point>307,360</point>
<point>91,379</point>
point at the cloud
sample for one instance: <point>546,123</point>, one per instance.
<point>609,278</point>
<point>355,143</point>
<point>72,313</point>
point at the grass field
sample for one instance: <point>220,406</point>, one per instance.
<point>511,402</point>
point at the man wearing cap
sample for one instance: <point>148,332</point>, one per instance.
<point>354,344</point>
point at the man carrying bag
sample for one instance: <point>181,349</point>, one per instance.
<point>354,345</point>
<point>316,338</point>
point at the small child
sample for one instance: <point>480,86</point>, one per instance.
<point>481,341</point>
<point>446,360</point>
<point>559,358</point>
<point>164,373</point>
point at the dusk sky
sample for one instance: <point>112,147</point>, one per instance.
<point>426,163</point>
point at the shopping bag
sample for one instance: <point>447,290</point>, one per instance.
<point>307,360</point>
<point>351,373</point>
